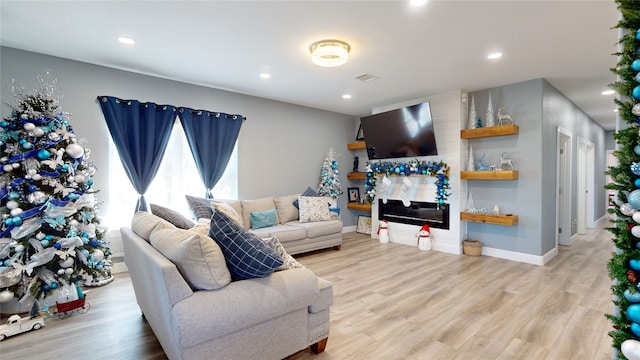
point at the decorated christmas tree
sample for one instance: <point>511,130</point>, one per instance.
<point>50,236</point>
<point>329,177</point>
<point>624,266</point>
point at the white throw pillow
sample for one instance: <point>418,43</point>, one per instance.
<point>228,210</point>
<point>313,208</point>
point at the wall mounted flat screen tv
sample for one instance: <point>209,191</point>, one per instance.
<point>403,132</point>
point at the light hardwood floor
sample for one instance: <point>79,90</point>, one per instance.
<point>393,301</point>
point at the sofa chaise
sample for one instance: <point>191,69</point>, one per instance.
<point>263,318</point>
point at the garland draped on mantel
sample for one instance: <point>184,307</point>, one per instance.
<point>439,170</point>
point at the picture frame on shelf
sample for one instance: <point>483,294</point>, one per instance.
<point>360,134</point>
<point>354,194</point>
<point>364,225</point>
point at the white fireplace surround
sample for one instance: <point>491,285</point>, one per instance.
<point>424,189</point>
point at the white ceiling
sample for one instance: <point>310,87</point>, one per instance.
<point>415,52</point>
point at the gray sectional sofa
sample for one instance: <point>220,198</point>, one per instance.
<point>184,291</point>
<point>295,235</point>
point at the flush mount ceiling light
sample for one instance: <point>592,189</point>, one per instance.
<point>608,92</point>
<point>126,40</point>
<point>329,53</point>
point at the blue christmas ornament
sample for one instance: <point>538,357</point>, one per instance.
<point>44,242</point>
<point>54,285</point>
<point>95,243</point>
<point>46,287</point>
<point>633,313</point>
<point>636,92</point>
<point>635,65</point>
<point>635,329</point>
<point>17,220</point>
<point>27,146</point>
<point>638,34</point>
<point>634,199</point>
<point>635,168</point>
<point>57,246</point>
<point>637,183</point>
<point>13,195</point>
<point>632,297</point>
<point>32,188</point>
<point>43,154</point>
<point>634,264</point>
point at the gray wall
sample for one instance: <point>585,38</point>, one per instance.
<point>281,147</point>
<point>522,196</point>
<point>538,109</point>
<point>560,112</point>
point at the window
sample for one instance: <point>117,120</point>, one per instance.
<point>176,177</point>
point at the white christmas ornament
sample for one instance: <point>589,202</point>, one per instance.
<point>636,109</point>
<point>29,126</point>
<point>636,217</point>
<point>626,209</point>
<point>75,150</point>
<point>12,204</point>
<point>54,136</point>
<point>37,132</point>
<point>15,212</point>
<point>98,255</point>
<point>6,296</point>
<point>631,349</point>
<point>635,231</point>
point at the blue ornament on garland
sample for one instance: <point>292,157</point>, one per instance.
<point>634,264</point>
<point>632,297</point>
<point>636,92</point>
<point>43,154</point>
<point>635,329</point>
<point>638,34</point>
<point>634,199</point>
<point>635,65</point>
<point>635,169</point>
<point>636,149</point>
<point>637,183</point>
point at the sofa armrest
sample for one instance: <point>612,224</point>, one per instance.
<point>242,304</point>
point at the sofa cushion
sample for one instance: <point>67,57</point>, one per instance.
<point>285,233</point>
<point>144,223</point>
<point>285,208</point>
<point>249,206</point>
<point>308,192</point>
<point>263,219</point>
<point>228,210</point>
<point>288,262</point>
<point>197,257</point>
<point>319,228</point>
<point>247,256</point>
<point>200,207</point>
<point>171,216</point>
<point>313,208</point>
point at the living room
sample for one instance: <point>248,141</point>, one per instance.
<point>282,145</point>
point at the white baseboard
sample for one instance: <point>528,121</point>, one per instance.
<point>514,256</point>
<point>348,229</point>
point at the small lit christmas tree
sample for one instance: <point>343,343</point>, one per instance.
<point>329,177</point>
<point>50,235</point>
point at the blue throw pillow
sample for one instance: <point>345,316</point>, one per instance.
<point>247,256</point>
<point>262,219</point>
<point>308,192</point>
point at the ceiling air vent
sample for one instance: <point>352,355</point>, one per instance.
<point>366,77</point>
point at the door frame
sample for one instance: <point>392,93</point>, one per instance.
<point>564,141</point>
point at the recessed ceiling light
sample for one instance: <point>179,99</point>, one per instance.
<point>608,92</point>
<point>265,76</point>
<point>126,40</point>
<point>346,96</point>
<point>417,2</point>
<point>495,55</point>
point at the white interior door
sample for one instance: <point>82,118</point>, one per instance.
<point>582,186</point>
<point>590,186</point>
<point>563,187</point>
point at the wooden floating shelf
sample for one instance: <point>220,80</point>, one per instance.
<point>358,206</point>
<point>358,145</point>
<point>489,175</point>
<point>506,220</point>
<point>357,175</point>
<point>502,130</point>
